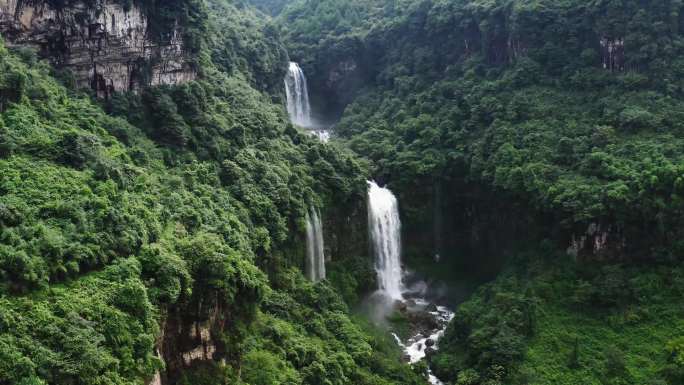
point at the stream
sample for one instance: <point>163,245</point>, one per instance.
<point>428,319</point>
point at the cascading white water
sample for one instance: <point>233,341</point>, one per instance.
<point>385,232</point>
<point>315,263</point>
<point>297,96</point>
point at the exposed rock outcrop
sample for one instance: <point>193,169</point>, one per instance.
<point>598,242</point>
<point>613,54</point>
<point>107,45</point>
<point>190,337</point>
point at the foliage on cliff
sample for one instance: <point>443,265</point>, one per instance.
<point>270,7</point>
<point>247,43</point>
<point>304,335</point>
<point>567,114</point>
<point>186,200</point>
<point>572,108</point>
<point>544,322</point>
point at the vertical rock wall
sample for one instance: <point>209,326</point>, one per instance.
<point>106,45</point>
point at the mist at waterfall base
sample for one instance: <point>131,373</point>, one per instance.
<point>384,227</point>
<point>315,261</point>
<point>298,105</point>
<point>400,291</point>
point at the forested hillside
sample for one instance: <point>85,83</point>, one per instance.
<point>575,110</point>
<point>158,237</point>
<point>158,208</point>
<point>539,142</point>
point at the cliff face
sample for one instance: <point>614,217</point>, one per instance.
<point>191,337</point>
<point>107,45</point>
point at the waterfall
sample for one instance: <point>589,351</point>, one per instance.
<point>315,263</point>
<point>297,96</point>
<point>385,232</point>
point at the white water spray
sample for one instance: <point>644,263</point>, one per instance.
<point>297,93</point>
<point>315,263</point>
<point>385,232</point>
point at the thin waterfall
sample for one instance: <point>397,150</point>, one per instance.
<point>315,263</point>
<point>297,93</point>
<point>385,232</point>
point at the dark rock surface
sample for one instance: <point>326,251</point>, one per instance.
<point>106,45</point>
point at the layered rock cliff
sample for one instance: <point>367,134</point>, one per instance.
<point>107,44</point>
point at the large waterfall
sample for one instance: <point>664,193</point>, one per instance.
<point>315,262</point>
<point>416,297</point>
<point>297,96</point>
<point>385,232</point>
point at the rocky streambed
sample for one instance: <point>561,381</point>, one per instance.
<point>427,320</point>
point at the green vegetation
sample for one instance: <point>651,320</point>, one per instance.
<point>304,335</point>
<point>244,42</point>
<point>181,207</point>
<point>99,329</point>
<point>142,234</point>
<point>271,7</point>
<point>545,321</point>
<point>534,122</point>
<point>513,95</point>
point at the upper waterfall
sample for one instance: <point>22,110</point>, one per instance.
<point>385,232</point>
<point>315,262</point>
<point>297,93</point>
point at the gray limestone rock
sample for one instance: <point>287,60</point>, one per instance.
<point>106,46</point>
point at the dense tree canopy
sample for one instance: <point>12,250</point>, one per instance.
<point>532,126</point>
<point>524,123</point>
<point>574,108</point>
<point>177,200</point>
